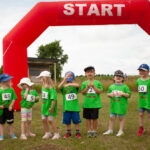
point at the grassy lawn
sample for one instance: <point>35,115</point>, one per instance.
<point>128,142</point>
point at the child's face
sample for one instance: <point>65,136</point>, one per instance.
<point>143,73</point>
<point>90,74</point>
<point>24,86</point>
<point>118,79</point>
<point>41,80</point>
<point>7,83</point>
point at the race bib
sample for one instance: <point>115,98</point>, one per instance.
<point>91,91</point>
<point>142,88</point>
<point>116,93</point>
<point>30,98</point>
<point>44,95</point>
<point>6,96</point>
<point>71,97</point>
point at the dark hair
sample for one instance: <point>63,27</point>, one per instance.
<point>89,68</point>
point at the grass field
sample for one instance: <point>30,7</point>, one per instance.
<point>128,142</point>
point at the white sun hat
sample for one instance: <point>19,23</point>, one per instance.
<point>25,81</point>
<point>44,74</point>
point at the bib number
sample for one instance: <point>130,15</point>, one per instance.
<point>6,96</point>
<point>31,98</point>
<point>142,89</point>
<point>91,91</point>
<point>116,93</point>
<point>71,97</point>
<point>44,95</point>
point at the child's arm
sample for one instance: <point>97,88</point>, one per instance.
<point>98,91</point>
<point>63,82</point>
<point>1,106</point>
<point>110,94</point>
<point>52,106</point>
<point>37,98</point>
<point>86,89</point>
<point>26,93</point>
<point>72,84</point>
<point>11,105</point>
<point>123,94</point>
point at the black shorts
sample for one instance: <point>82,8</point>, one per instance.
<point>7,116</point>
<point>90,113</point>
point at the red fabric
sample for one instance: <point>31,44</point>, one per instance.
<point>45,14</point>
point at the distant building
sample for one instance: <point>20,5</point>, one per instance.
<point>37,65</point>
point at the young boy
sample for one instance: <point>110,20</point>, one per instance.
<point>91,89</point>
<point>71,106</point>
<point>118,94</point>
<point>143,84</point>
<point>7,100</point>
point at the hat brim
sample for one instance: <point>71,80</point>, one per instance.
<point>142,69</point>
<point>6,79</point>
<point>29,84</point>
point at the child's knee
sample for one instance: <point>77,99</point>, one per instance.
<point>121,119</point>
<point>141,114</point>
<point>112,118</point>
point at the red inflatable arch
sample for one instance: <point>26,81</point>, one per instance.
<point>85,12</point>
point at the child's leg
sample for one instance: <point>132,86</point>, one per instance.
<point>88,124</point>
<point>11,129</point>
<point>1,129</point>
<point>52,123</point>
<point>121,119</point>
<point>45,124</point>
<point>23,127</point>
<point>95,124</point>
<point>28,127</point>
<point>112,122</point>
<point>141,119</point>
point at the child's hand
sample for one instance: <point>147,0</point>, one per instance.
<point>10,108</point>
<point>37,98</point>
<point>112,94</point>
<point>92,84</point>
<point>120,93</point>
<point>66,77</point>
<point>66,85</point>
<point>1,107</point>
<point>51,110</point>
<point>88,85</point>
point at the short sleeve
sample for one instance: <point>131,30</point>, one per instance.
<point>127,90</point>
<point>22,94</point>
<point>53,95</point>
<point>36,94</point>
<point>83,86</point>
<point>14,96</point>
<point>109,90</point>
<point>99,86</point>
<point>62,90</point>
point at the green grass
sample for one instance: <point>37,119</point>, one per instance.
<point>128,142</point>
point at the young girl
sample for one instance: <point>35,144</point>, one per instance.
<point>49,104</point>
<point>7,100</point>
<point>71,106</point>
<point>119,94</point>
<point>29,97</point>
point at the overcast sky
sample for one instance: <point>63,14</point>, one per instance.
<point>108,48</point>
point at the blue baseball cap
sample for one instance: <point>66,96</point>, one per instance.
<point>5,77</point>
<point>71,74</point>
<point>143,67</point>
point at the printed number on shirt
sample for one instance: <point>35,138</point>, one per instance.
<point>6,96</point>
<point>91,91</point>
<point>71,97</point>
<point>31,98</point>
<point>142,88</point>
<point>116,93</point>
<point>44,95</point>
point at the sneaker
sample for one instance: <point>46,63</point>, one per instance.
<point>140,132</point>
<point>120,133</point>
<point>46,136</point>
<point>56,136</point>
<point>12,136</point>
<point>89,134</point>
<point>78,135</point>
<point>67,135</point>
<point>1,137</point>
<point>23,137</point>
<point>94,134</point>
<point>108,132</point>
<point>31,134</point>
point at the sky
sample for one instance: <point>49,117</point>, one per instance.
<point>107,48</point>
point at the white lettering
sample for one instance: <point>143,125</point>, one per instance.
<point>69,9</point>
<point>81,6</point>
<point>93,10</point>
<point>119,8</point>
<point>107,8</point>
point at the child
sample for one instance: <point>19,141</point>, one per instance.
<point>119,94</point>
<point>7,100</point>
<point>49,104</point>
<point>71,106</point>
<point>143,84</point>
<point>91,89</point>
<point>29,97</point>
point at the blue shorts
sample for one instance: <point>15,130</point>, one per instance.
<point>144,109</point>
<point>71,115</point>
<point>114,115</point>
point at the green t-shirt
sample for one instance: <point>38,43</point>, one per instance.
<point>1,110</point>
<point>144,93</point>
<point>91,98</point>
<point>30,100</point>
<point>118,105</point>
<point>70,99</point>
<point>7,96</point>
<point>47,96</point>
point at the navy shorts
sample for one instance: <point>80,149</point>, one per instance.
<point>69,116</point>
<point>144,109</point>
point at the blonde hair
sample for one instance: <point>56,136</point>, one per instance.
<point>47,82</point>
